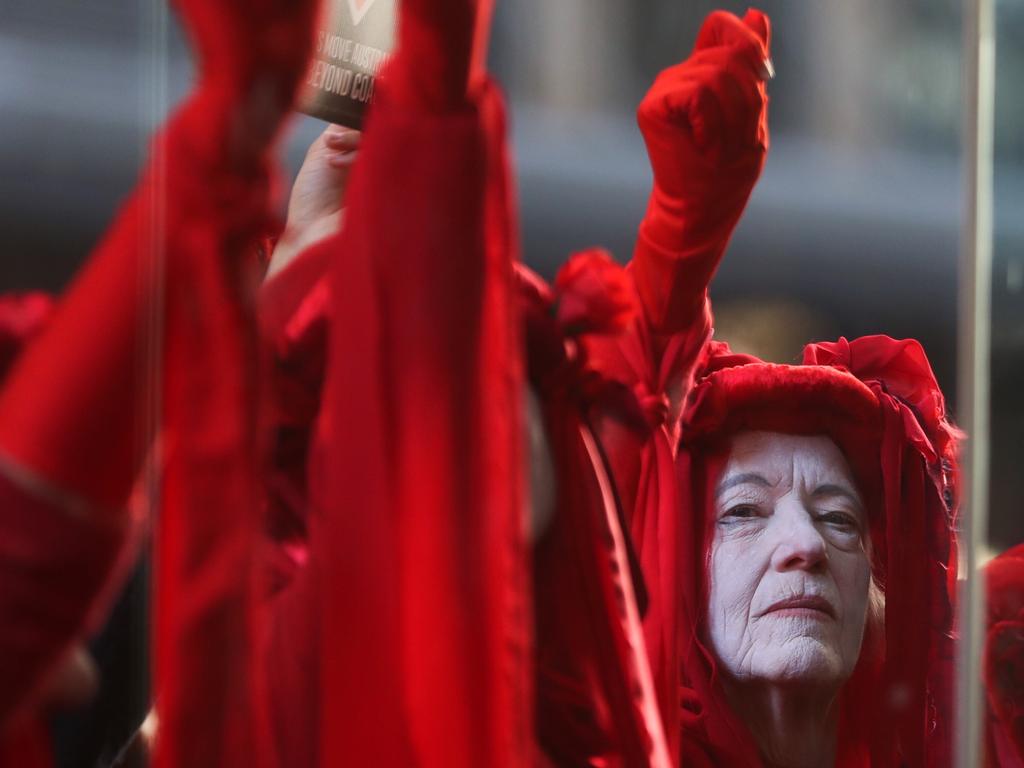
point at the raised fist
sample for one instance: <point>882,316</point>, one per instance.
<point>705,121</point>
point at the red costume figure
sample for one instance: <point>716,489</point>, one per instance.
<point>73,419</point>
<point>705,127</point>
<point>406,636</point>
<point>877,399</point>
<point>1004,660</point>
<point>609,681</point>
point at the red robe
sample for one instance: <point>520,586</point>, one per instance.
<point>424,599</point>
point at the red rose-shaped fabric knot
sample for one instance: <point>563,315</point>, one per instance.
<point>900,368</point>
<point>594,295</point>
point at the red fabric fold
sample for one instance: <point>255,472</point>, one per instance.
<point>425,602</point>
<point>26,745</point>
<point>54,563</point>
<point>704,123</point>
<point>596,697</point>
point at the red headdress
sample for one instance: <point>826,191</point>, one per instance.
<point>877,398</point>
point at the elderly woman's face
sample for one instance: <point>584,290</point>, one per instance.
<point>789,571</point>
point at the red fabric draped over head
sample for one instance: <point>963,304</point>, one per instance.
<point>878,400</point>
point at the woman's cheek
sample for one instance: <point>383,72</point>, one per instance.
<point>736,574</point>
<point>853,580</point>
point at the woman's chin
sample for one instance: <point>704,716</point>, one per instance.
<point>802,661</point>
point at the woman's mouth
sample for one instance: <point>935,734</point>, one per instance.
<point>805,606</point>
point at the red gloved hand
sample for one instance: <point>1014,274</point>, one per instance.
<point>705,125</point>
<point>442,46</point>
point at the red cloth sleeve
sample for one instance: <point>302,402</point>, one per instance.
<point>424,604</point>
<point>75,411</point>
<point>53,563</point>
<point>705,126</point>
<point>74,415</point>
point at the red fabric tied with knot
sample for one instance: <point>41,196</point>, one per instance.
<point>596,700</point>
<point>877,398</point>
<point>654,364</point>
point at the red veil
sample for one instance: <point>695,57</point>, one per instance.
<point>877,398</point>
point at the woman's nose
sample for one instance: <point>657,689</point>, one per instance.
<point>798,543</point>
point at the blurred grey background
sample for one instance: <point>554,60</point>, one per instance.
<point>853,229</point>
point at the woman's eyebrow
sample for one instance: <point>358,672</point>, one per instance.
<point>742,479</point>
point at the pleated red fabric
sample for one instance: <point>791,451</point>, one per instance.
<point>208,529</point>
<point>596,699</point>
<point>75,412</point>
<point>209,624</point>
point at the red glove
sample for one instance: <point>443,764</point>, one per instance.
<point>442,48</point>
<point>705,125</point>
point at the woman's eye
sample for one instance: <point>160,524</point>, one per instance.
<point>741,512</point>
<point>840,520</point>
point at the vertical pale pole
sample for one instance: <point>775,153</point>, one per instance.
<point>153,34</point>
<point>974,356</point>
